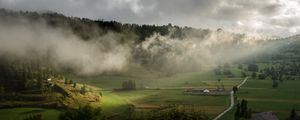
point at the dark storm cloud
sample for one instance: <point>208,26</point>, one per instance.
<point>195,13</point>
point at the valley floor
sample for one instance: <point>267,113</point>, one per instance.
<point>164,91</point>
<point>154,92</point>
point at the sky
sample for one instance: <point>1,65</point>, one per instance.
<point>258,17</point>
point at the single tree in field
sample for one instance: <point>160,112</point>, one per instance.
<point>74,85</point>
<point>237,113</point>
<point>244,108</point>
<point>235,89</point>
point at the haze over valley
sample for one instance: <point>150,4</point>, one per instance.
<point>148,60</point>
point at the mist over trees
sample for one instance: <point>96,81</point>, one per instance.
<point>57,43</point>
<point>37,46</point>
<point>168,48</point>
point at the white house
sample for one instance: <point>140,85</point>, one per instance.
<point>206,91</point>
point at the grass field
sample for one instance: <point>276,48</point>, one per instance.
<point>160,91</point>
<point>193,79</point>
<point>21,113</point>
<point>163,91</point>
<point>262,97</point>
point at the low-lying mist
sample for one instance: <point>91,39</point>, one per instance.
<point>194,52</point>
<point>32,40</point>
<point>109,53</point>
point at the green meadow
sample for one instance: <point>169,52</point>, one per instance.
<point>262,97</point>
<point>21,113</point>
<point>152,92</point>
<point>157,91</point>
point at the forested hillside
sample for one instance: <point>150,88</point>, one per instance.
<point>143,41</point>
<point>110,46</point>
<point>51,60</point>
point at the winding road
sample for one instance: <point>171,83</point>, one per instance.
<point>231,100</point>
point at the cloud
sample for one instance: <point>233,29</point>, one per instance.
<point>196,13</point>
<point>193,53</point>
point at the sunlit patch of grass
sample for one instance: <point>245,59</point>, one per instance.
<point>112,103</point>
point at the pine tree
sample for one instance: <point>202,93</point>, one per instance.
<point>66,81</point>
<point>74,85</point>
<point>70,81</point>
<point>237,113</point>
<point>83,89</point>
<point>244,108</point>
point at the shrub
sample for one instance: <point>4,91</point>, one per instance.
<point>227,72</point>
<point>253,68</point>
<point>34,117</point>
<point>83,89</point>
<point>129,85</point>
<point>86,112</point>
<point>262,76</point>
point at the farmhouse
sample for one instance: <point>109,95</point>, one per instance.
<point>205,91</point>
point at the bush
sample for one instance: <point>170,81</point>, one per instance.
<point>227,72</point>
<point>235,89</point>
<point>71,81</point>
<point>129,85</point>
<point>66,81</point>
<point>252,68</point>
<point>86,112</point>
<point>83,89</point>
<point>262,76</point>
<point>74,85</point>
<point>171,113</point>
